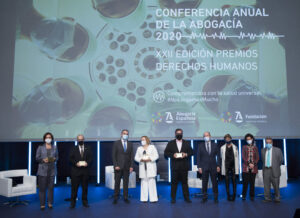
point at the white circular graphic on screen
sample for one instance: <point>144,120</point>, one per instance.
<point>159,96</point>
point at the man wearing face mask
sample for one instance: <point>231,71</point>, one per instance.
<point>81,159</point>
<point>272,159</point>
<point>122,156</point>
<point>208,158</point>
<point>179,151</point>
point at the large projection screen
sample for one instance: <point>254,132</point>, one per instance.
<point>150,66</point>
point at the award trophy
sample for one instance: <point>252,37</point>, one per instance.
<point>179,155</point>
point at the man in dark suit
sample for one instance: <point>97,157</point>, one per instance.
<point>272,159</point>
<point>208,158</point>
<point>81,159</point>
<point>179,151</point>
<point>122,156</point>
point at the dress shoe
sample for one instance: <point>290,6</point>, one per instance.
<point>267,200</point>
<point>42,207</point>
<point>233,198</point>
<point>126,201</point>
<point>187,200</point>
<point>173,201</point>
<point>86,205</point>
<point>50,206</point>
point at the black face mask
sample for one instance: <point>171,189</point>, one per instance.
<point>228,142</point>
<point>80,143</point>
<point>178,136</point>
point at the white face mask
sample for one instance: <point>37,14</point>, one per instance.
<point>249,142</point>
<point>125,137</point>
<point>143,142</point>
<point>48,141</point>
<point>207,138</point>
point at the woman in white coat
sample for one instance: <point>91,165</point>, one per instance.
<point>146,155</point>
<point>230,165</point>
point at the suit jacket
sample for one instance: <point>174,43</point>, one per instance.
<point>75,157</point>
<point>121,158</point>
<point>46,169</point>
<point>151,166</point>
<point>277,159</point>
<point>208,161</point>
<point>179,163</point>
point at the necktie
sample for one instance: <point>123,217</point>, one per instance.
<point>81,151</point>
<point>268,157</point>
<point>207,147</point>
<point>125,146</point>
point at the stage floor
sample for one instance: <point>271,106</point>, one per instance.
<point>101,205</point>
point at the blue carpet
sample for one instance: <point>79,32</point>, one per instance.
<point>101,205</point>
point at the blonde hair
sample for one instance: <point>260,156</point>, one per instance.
<point>147,139</point>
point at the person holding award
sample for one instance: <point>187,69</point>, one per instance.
<point>146,155</point>
<point>179,151</point>
<point>81,159</point>
<point>46,156</point>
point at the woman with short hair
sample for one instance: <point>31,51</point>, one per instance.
<point>46,156</point>
<point>230,165</point>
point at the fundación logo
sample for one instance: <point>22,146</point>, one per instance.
<point>159,96</point>
<point>238,117</point>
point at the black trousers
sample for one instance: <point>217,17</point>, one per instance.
<point>248,178</point>
<point>46,182</point>
<point>76,181</point>
<point>230,175</point>
<point>176,177</point>
<point>213,176</point>
<point>118,176</point>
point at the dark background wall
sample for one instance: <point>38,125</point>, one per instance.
<point>14,155</point>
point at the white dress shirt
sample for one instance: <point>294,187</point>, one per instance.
<point>179,144</point>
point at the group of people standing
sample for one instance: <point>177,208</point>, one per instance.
<point>211,160</point>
